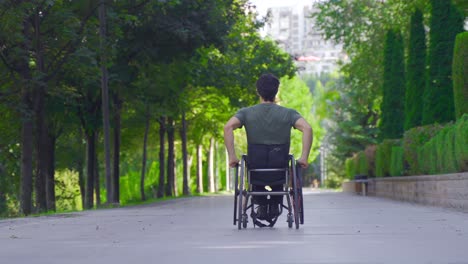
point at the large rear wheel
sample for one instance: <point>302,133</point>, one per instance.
<point>236,193</point>
<point>299,191</point>
<point>295,195</point>
<point>241,195</point>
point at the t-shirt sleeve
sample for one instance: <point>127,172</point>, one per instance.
<point>241,115</point>
<point>294,117</point>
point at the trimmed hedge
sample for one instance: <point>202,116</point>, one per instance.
<point>414,139</point>
<point>396,165</point>
<point>383,157</point>
<point>461,143</point>
<point>370,153</point>
<point>362,166</point>
<point>460,74</point>
<point>433,149</point>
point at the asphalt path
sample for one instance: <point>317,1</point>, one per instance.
<point>339,228</point>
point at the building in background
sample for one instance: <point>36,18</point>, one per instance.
<point>295,31</point>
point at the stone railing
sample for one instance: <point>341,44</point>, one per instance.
<point>446,190</point>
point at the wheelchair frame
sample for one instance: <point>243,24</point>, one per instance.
<point>292,189</point>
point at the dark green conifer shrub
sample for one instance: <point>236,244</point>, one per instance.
<point>414,139</point>
<point>446,22</point>
<point>396,163</point>
<point>460,74</point>
<point>383,157</point>
<point>393,89</point>
<point>416,68</point>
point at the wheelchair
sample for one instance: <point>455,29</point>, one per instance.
<point>287,175</point>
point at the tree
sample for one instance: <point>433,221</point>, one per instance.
<point>35,47</point>
<point>105,96</point>
<point>460,74</point>
<point>393,88</point>
<point>446,23</point>
<point>415,71</point>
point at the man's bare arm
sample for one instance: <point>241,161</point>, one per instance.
<point>232,124</point>
<point>307,133</point>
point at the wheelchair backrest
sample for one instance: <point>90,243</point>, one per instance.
<point>260,156</point>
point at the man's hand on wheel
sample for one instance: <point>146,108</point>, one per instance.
<point>233,162</point>
<point>303,162</point>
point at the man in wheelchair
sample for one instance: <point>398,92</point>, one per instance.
<point>268,128</point>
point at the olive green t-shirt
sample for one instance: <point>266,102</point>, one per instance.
<point>268,123</point>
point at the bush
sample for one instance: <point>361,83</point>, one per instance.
<point>370,152</point>
<point>362,166</point>
<point>350,167</point>
<point>441,147</point>
<point>460,74</point>
<point>461,143</point>
<point>447,151</point>
<point>383,157</point>
<point>333,182</point>
<point>427,158</point>
<point>67,191</point>
<point>396,164</point>
<point>414,139</point>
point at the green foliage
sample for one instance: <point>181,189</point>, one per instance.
<point>461,143</point>
<point>426,158</point>
<point>460,74</point>
<point>352,124</point>
<point>447,151</point>
<point>130,184</point>
<point>396,161</point>
<point>333,182</point>
<point>393,88</point>
<point>415,71</point>
<point>295,94</point>
<point>350,167</point>
<point>383,157</point>
<point>362,164</point>
<point>446,23</point>
<point>67,191</point>
<point>370,153</point>
<point>414,139</point>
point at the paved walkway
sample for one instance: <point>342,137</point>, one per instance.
<point>339,228</point>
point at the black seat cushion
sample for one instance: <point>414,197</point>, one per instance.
<point>261,156</point>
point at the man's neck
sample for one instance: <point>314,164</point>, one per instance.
<point>262,101</point>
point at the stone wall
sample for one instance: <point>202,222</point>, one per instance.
<point>446,190</point>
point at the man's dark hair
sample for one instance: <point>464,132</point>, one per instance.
<point>267,87</point>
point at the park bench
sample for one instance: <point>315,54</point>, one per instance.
<point>361,179</point>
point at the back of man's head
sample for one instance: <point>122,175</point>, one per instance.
<point>267,87</point>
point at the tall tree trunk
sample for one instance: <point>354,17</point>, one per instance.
<point>162,133</point>
<point>41,126</point>
<point>216,167</point>
<point>200,168</point>
<point>211,180</point>
<point>143,165</point>
<point>26,158</point>
<point>97,179</point>
<point>80,167</point>
<point>81,179</point>
<point>50,180</point>
<point>90,149</point>
<point>170,187</point>
<point>183,136</point>
<point>189,164</point>
<point>117,132</point>
<point>27,125</point>
<point>105,97</point>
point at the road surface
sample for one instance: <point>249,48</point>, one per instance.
<point>339,228</point>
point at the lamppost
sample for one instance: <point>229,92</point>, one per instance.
<point>323,166</point>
